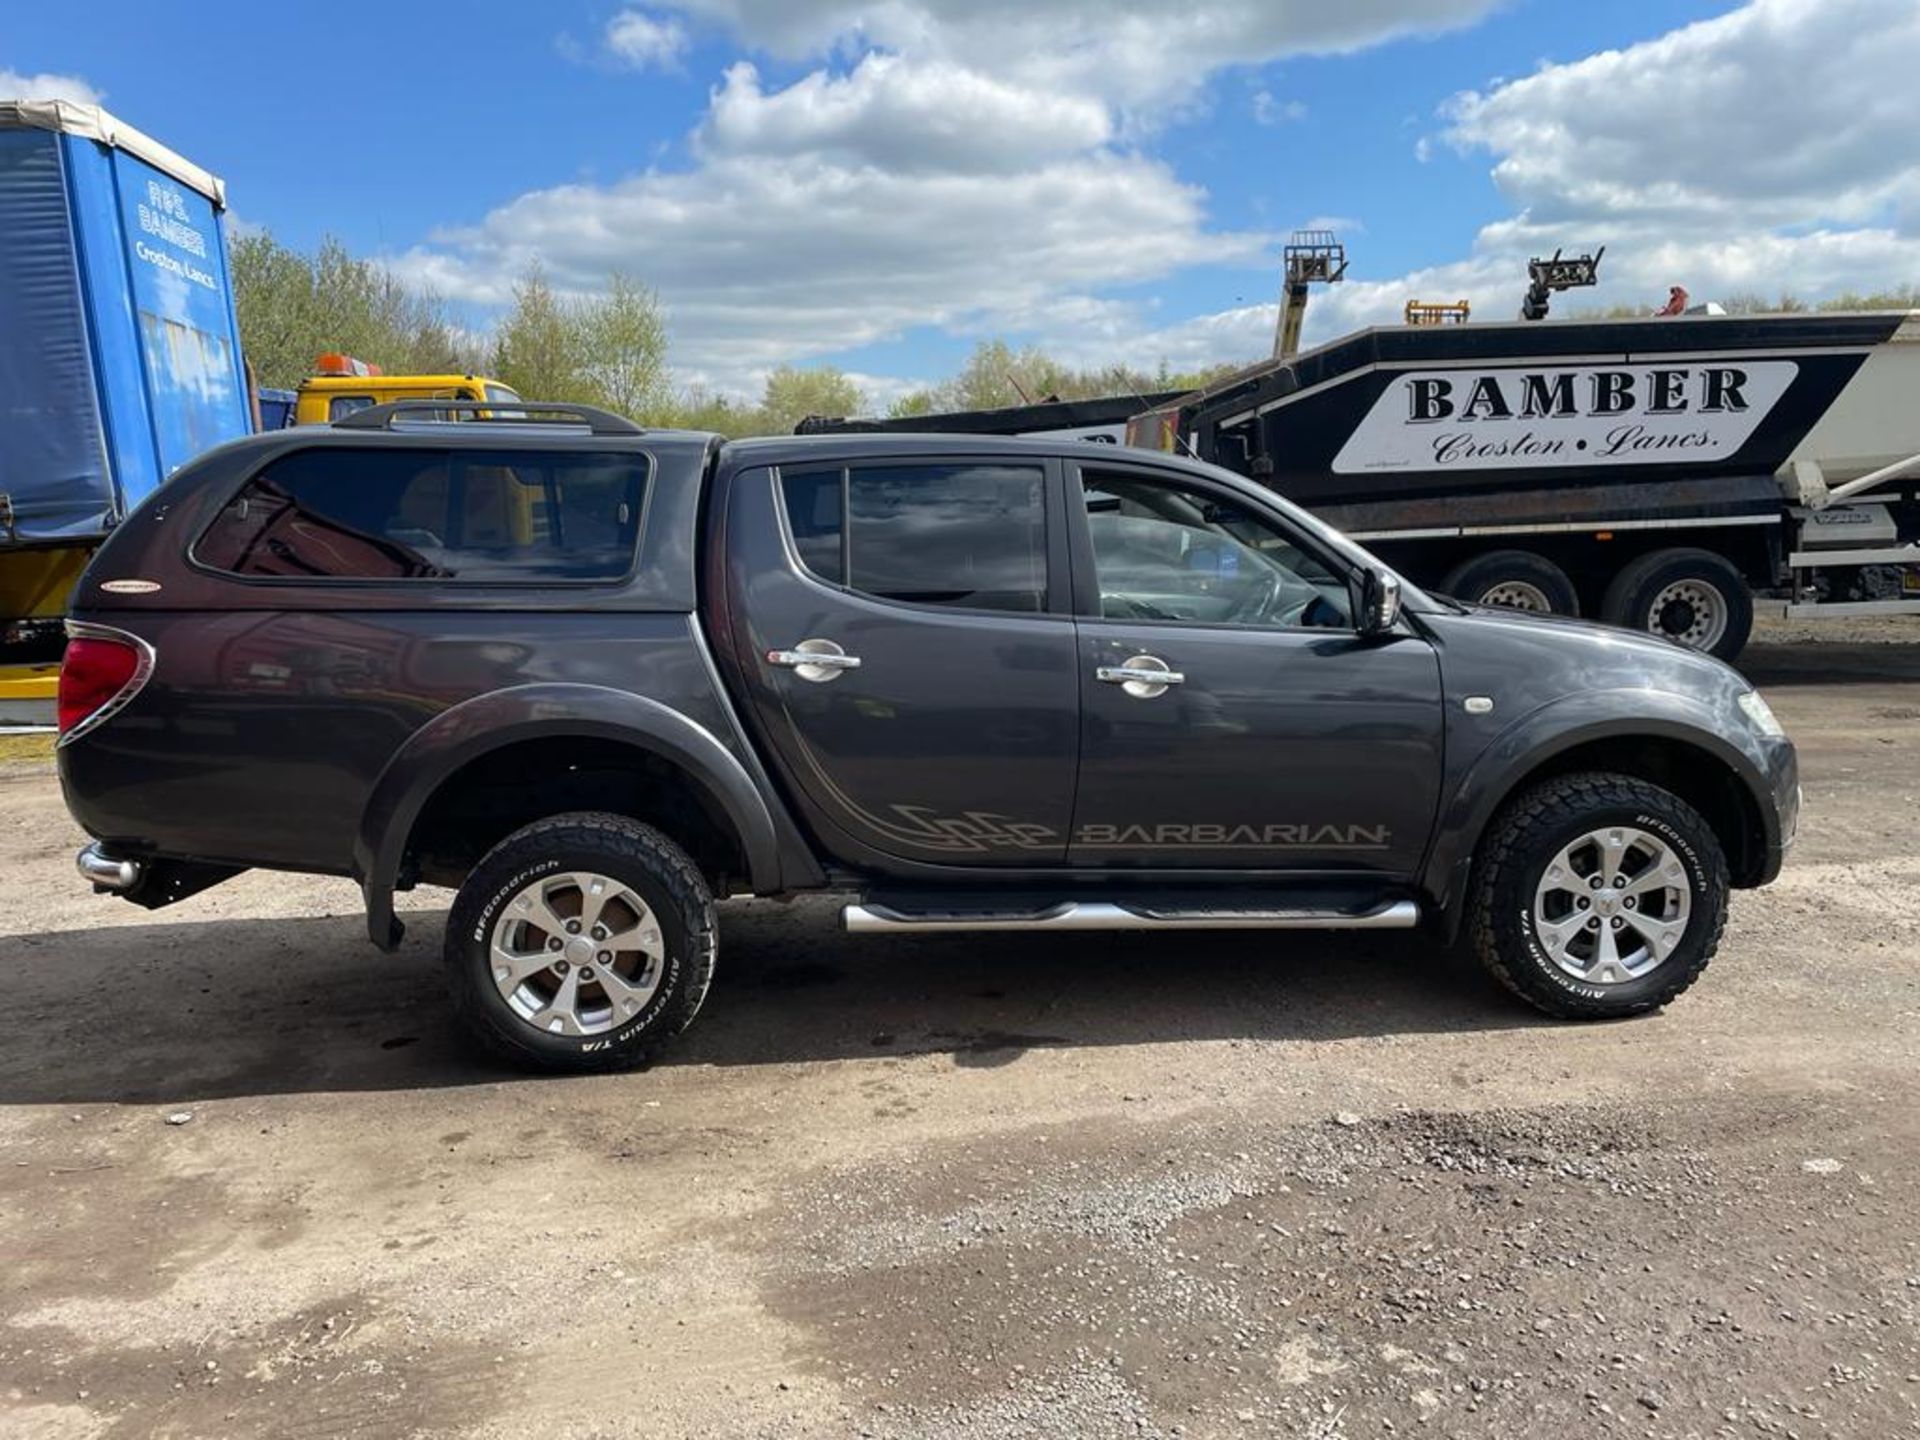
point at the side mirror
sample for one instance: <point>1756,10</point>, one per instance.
<point>1379,603</point>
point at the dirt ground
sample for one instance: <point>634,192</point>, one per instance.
<point>1057,1186</point>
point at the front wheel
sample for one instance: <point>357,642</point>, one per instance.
<point>579,943</point>
<point>1598,896</point>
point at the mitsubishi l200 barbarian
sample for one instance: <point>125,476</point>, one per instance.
<point>596,677</point>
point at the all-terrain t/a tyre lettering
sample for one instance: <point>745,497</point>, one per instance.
<point>1598,895</point>
<point>580,942</point>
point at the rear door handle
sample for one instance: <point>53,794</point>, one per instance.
<point>815,660</point>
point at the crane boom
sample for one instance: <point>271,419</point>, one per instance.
<point>1313,257</point>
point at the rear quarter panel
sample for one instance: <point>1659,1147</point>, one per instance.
<point>261,733</point>
<point>274,706</point>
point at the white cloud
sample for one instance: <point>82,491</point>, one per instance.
<point>16,86</point>
<point>1269,111</point>
<point>902,115</point>
<point>1139,54</point>
<point>1786,112</point>
<point>974,166</point>
<point>241,228</point>
<point>640,41</point>
<point>764,259</point>
<point>1767,151</point>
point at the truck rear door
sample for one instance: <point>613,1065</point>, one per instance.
<point>902,629</point>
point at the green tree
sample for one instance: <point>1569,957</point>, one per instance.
<point>996,375</point>
<point>608,349</point>
<point>793,393</point>
<point>698,408</point>
<point>540,346</point>
<point>625,335</point>
<point>294,307</point>
<point>992,379</point>
<point>1900,297</point>
<point>273,296</point>
<point>913,403</point>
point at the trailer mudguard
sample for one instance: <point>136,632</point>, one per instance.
<point>473,728</point>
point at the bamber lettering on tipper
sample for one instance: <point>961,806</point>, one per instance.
<point>1565,415</point>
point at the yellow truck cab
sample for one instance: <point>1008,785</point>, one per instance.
<point>342,385</point>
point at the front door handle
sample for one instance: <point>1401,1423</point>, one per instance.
<point>815,660</point>
<point>1144,677</point>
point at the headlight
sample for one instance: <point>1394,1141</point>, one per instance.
<point>1761,714</point>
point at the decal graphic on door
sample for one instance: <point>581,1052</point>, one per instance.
<point>1507,419</point>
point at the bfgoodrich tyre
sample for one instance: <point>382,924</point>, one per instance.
<point>579,943</point>
<point>1598,896</point>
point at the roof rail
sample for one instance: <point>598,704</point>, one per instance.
<point>492,412</point>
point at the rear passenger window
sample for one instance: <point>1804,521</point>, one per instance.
<point>476,516</point>
<point>972,536</point>
<point>816,514</point>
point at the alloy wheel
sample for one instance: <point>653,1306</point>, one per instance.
<point>576,953</point>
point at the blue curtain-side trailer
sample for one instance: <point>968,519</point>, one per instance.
<point>119,355</point>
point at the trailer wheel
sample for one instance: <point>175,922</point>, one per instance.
<point>1514,579</point>
<point>1693,596</point>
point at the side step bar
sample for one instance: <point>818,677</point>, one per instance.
<point>1101,915</point>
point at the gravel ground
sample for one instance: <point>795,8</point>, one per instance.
<point>1091,1186</point>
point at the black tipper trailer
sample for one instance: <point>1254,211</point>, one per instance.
<point>1652,472</point>
<point>1659,473</point>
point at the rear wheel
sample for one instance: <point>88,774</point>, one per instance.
<point>1598,895</point>
<point>580,943</point>
<point>1515,579</point>
<point>1693,596</point>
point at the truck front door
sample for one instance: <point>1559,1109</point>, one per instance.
<point>903,633</point>
<point>1279,738</point>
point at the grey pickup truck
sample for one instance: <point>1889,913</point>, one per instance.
<point>596,677</point>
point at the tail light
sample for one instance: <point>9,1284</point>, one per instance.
<point>102,670</point>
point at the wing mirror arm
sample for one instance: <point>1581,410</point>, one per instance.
<point>1379,603</point>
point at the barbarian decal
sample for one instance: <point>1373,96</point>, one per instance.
<point>974,831</point>
<point>1510,419</point>
<point>1235,837</point>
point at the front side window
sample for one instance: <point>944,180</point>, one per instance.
<point>498,516</point>
<point>970,536</point>
<point>341,406</point>
<point>1164,551</point>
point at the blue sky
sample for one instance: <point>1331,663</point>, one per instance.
<point>879,183</point>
